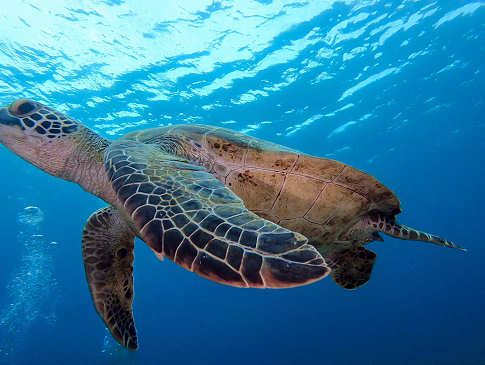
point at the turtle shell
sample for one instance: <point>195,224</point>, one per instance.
<point>317,197</point>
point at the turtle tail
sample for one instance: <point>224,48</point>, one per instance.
<point>389,226</point>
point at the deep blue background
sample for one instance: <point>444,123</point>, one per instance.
<point>423,138</point>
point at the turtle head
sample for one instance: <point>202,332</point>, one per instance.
<point>36,119</point>
<point>39,134</point>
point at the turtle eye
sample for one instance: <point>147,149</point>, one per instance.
<point>26,107</point>
<point>22,107</point>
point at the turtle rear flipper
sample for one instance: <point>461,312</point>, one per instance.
<point>186,214</point>
<point>107,246</point>
<point>376,221</point>
<point>351,267</point>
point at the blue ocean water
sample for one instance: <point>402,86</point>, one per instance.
<point>395,89</point>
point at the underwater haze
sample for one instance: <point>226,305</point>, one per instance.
<point>394,88</point>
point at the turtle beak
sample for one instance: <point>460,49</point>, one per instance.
<point>8,120</point>
<point>11,129</point>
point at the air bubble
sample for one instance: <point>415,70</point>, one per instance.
<point>31,215</point>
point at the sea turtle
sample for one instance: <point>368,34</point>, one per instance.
<point>227,206</point>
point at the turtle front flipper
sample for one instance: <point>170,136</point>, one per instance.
<point>351,267</point>
<point>183,212</point>
<point>107,246</point>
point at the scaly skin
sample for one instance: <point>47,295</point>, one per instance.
<point>67,149</point>
<point>84,165</point>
